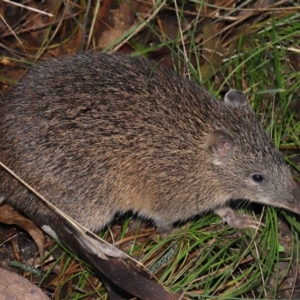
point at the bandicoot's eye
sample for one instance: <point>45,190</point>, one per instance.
<point>257,178</point>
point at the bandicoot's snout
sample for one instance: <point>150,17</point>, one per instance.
<point>292,200</point>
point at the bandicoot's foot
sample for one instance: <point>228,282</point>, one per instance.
<point>235,220</point>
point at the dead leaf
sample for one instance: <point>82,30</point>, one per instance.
<point>119,21</point>
<point>16,287</point>
<point>212,51</point>
<point>8,215</point>
<point>36,20</point>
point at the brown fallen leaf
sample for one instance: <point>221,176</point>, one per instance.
<point>9,215</point>
<point>14,286</point>
<point>212,51</point>
<point>120,20</point>
<point>102,18</point>
<point>35,20</point>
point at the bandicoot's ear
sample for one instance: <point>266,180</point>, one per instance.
<point>220,146</point>
<point>236,98</point>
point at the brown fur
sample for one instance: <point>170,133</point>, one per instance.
<point>98,134</point>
